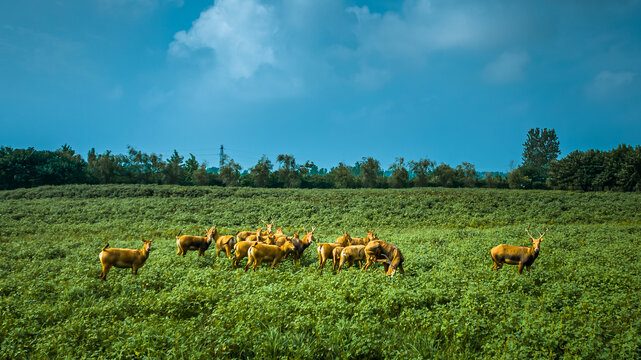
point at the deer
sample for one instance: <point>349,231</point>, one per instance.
<point>388,254</point>
<point>363,241</point>
<point>301,244</point>
<point>344,240</point>
<point>243,235</point>
<point>191,242</point>
<point>259,252</point>
<point>522,256</point>
<point>223,243</point>
<point>350,254</point>
<point>324,253</point>
<point>123,258</point>
<point>241,251</point>
<point>336,256</point>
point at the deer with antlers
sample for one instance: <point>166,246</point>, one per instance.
<point>517,255</point>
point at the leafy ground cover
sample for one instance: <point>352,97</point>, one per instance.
<point>579,301</point>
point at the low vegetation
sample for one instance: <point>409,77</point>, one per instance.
<point>580,299</point>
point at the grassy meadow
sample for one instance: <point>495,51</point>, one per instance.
<point>581,300</point>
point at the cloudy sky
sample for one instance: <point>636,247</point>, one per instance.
<point>329,81</point>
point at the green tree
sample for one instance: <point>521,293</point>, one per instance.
<point>288,172</point>
<point>200,176</point>
<point>400,177</point>
<point>465,175</point>
<point>191,165</point>
<point>260,173</point>
<point>444,175</point>
<point>174,173</point>
<point>421,170</point>
<point>230,172</point>
<point>370,171</point>
<point>342,176</point>
<point>539,149</point>
<point>105,168</point>
<point>517,180</point>
<point>495,181</point>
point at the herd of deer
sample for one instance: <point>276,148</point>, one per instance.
<point>259,246</point>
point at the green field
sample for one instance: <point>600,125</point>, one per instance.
<point>580,300</point>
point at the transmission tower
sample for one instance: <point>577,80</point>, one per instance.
<point>221,161</point>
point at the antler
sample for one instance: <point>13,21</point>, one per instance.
<point>528,232</point>
<point>542,235</point>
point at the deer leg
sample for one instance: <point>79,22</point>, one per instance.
<point>400,267</point>
<point>105,270</point>
<point>249,262</point>
<point>134,270</point>
<point>520,268</point>
<point>257,263</point>
<point>367,264</point>
<point>228,251</point>
<point>201,252</point>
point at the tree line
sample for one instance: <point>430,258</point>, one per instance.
<point>618,169</point>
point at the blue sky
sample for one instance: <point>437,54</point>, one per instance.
<point>329,81</point>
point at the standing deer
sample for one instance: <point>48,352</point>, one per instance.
<point>190,242</point>
<point>123,258</point>
<point>517,255</point>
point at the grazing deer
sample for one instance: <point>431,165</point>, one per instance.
<point>388,254</point>
<point>123,258</point>
<point>517,255</point>
<point>191,242</point>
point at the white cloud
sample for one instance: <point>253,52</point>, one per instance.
<point>423,27</point>
<point>608,84</point>
<point>240,32</point>
<point>508,67</point>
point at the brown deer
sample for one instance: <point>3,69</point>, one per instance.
<point>388,254</point>
<point>223,243</point>
<point>123,258</point>
<point>350,254</point>
<point>344,240</point>
<point>301,244</point>
<point>324,253</point>
<point>363,241</point>
<point>517,255</point>
<point>243,235</point>
<point>241,251</point>
<point>259,252</point>
<point>191,242</point>
<point>336,256</point>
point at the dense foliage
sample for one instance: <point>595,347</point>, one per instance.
<point>579,301</point>
<point>618,169</point>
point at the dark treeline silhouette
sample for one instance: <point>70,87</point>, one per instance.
<point>618,169</point>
